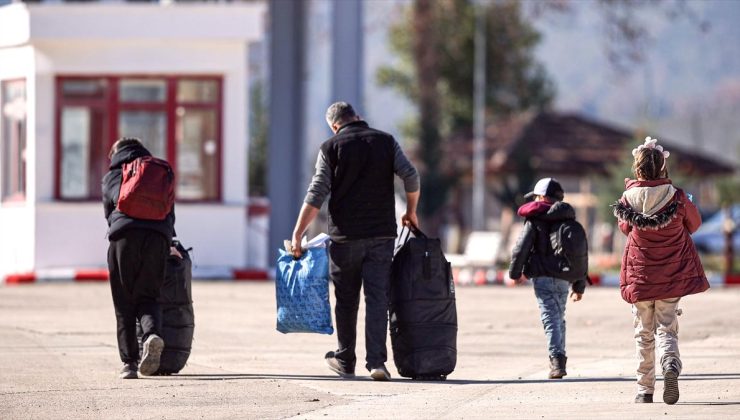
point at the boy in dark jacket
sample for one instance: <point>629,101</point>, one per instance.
<point>137,258</point>
<point>533,257</point>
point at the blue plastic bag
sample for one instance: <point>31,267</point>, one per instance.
<point>302,292</point>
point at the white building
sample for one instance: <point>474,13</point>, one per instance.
<point>75,77</point>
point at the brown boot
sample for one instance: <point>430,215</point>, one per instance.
<point>557,366</point>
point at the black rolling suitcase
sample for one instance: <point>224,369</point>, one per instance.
<point>423,314</point>
<point>178,319</point>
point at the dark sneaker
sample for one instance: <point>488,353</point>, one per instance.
<point>644,398</point>
<point>336,367</point>
<point>128,371</point>
<point>670,386</point>
<point>152,348</point>
<point>380,373</point>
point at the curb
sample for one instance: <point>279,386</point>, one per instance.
<point>90,275</point>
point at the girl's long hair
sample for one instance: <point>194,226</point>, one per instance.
<point>650,165</point>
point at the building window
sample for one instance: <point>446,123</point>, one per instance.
<point>178,118</point>
<point>13,139</point>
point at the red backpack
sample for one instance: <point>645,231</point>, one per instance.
<point>147,189</point>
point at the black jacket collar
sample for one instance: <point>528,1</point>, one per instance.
<point>358,123</point>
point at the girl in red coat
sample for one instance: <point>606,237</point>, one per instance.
<point>659,265</point>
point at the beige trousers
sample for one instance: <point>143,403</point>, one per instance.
<point>656,318</point>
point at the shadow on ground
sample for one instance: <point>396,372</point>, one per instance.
<point>244,376</point>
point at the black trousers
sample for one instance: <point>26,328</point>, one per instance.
<point>136,268</point>
<point>354,264</point>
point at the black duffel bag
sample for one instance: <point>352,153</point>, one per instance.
<point>178,319</point>
<point>423,314</point>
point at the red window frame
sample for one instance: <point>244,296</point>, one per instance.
<point>17,186</point>
<point>112,107</point>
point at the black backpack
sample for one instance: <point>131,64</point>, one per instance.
<point>570,247</point>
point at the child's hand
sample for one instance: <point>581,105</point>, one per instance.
<point>576,296</point>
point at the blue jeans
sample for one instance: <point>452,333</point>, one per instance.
<point>366,264</point>
<point>552,295</point>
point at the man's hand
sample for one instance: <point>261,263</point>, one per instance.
<point>295,248</point>
<point>575,297</point>
<point>306,216</point>
<point>410,220</point>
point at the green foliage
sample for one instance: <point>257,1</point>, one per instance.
<point>512,190</point>
<point>514,80</point>
<point>610,189</point>
<point>729,190</point>
<point>258,128</point>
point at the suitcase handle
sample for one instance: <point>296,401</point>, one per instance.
<point>402,241</point>
<point>411,229</point>
<point>426,265</point>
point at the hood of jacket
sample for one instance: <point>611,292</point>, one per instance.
<point>127,153</point>
<point>647,204</point>
<point>648,197</point>
<point>547,212</point>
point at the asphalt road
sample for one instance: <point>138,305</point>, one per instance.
<point>58,359</point>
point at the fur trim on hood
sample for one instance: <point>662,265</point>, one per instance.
<point>643,221</point>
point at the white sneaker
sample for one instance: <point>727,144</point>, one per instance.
<point>336,367</point>
<point>380,374</point>
<point>153,347</point>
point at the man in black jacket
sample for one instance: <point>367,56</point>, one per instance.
<point>356,168</point>
<point>137,257</point>
<point>533,257</point>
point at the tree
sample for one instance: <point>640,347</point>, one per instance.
<point>435,41</point>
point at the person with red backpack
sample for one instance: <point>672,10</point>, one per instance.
<point>552,251</point>
<point>138,199</point>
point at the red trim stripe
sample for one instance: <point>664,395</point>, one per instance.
<point>91,275</point>
<point>20,278</point>
<point>733,278</point>
<point>253,275</point>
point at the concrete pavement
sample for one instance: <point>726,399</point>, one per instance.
<point>58,359</point>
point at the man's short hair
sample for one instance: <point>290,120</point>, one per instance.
<point>339,112</point>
